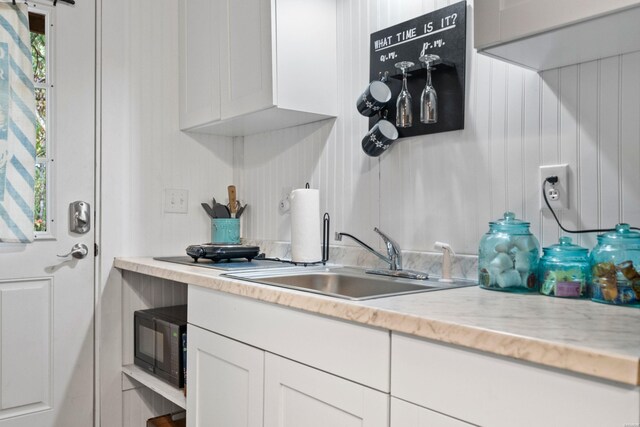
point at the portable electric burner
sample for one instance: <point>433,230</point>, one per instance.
<point>218,252</point>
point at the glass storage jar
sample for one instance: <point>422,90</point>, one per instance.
<point>615,265</point>
<point>508,256</point>
<point>564,270</point>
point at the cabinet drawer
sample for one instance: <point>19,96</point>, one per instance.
<point>405,414</point>
<point>358,353</point>
<point>491,390</point>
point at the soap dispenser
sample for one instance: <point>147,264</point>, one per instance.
<point>447,253</point>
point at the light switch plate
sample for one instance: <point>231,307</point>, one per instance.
<point>176,200</point>
<point>562,187</point>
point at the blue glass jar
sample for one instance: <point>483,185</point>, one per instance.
<point>564,270</point>
<point>615,267</point>
<point>508,256</point>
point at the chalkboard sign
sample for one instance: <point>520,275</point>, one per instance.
<point>443,33</point>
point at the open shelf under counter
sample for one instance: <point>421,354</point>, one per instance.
<point>164,389</point>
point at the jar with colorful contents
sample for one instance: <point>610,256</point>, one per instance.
<point>564,270</point>
<point>615,267</point>
<point>508,256</point>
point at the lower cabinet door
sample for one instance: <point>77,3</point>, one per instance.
<point>299,396</point>
<point>225,381</point>
<point>405,414</point>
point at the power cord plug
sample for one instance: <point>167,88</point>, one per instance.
<point>554,180</point>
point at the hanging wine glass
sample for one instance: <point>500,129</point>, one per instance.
<point>429,97</point>
<point>404,116</point>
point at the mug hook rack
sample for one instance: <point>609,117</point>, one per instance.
<point>442,33</point>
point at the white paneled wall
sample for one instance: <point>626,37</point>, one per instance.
<point>143,152</point>
<point>448,186</point>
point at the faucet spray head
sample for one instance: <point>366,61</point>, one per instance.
<point>446,260</point>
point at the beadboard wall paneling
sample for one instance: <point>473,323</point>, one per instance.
<point>140,404</point>
<point>143,151</point>
<point>448,186</point>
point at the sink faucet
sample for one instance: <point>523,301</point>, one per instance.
<point>394,256</point>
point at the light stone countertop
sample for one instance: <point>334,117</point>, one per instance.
<point>574,335</point>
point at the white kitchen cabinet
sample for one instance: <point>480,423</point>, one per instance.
<point>297,395</point>
<point>405,414</point>
<point>231,360</point>
<point>490,390</point>
<point>256,65</point>
<point>225,381</point>
<point>544,34</point>
<point>199,69</point>
<point>349,350</point>
<point>245,57</point>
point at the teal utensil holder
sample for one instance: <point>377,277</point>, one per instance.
<point>225,230</point>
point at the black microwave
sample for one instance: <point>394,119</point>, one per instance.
<point>160,342</point>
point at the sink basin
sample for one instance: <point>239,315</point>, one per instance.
<point>344,282</point>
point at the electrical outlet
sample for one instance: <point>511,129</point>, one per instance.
<point>557,194</point>
<point>176,201</point>
<point>285,203</point>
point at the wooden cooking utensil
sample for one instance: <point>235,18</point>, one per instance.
<point>233,206</point>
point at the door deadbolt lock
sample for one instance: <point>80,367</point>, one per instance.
<point>79,217</point>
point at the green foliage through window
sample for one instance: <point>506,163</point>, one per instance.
<point>39,58</point>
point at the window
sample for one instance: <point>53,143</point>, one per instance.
<point>40,49</point>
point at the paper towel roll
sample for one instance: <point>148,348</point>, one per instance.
<point>305,225</point>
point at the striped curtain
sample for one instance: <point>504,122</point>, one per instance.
<point>17,125</point>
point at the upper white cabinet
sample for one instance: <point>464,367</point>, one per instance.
<point>248,66</point>
<point>544,34</point>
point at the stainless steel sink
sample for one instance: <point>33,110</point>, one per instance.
<point>344,282</point>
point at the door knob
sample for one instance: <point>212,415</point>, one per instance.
<point>78,251</point>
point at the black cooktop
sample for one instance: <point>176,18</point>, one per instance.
<point>218,252</point>
<point>227,264</point>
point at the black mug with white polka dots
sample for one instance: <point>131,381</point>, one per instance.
<point>374,98</point>
<point>379,138</point>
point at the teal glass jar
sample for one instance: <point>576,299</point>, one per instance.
<point>564,270</point>
<point>615,267</point>
<point>508,256</point>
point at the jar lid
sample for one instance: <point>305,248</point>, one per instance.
<point>565,248</point>
<point>622,235</point>
<point>508,223</point>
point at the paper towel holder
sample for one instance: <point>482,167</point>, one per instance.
<point>326,228</point>
<point>326,231</point>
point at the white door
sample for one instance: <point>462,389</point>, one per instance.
<point>46,302</point>
<point>225,382</point>
<point>299,396</point>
